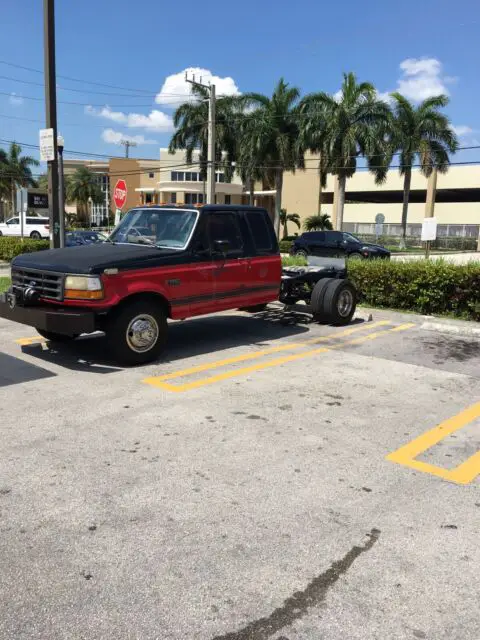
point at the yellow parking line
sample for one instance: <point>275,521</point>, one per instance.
<point>159,381</point>
<point>258,354</point>
<point>263,352</point>
<point>23,342</point>
<point>463,473</point>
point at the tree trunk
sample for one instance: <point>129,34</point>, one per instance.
<point>278,200</point>
<point>342,180</point>
<point>406,196</point>
<point>285,230</point>
<point>251,189</point>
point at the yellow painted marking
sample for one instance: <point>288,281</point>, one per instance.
<point>159,381</point>
<point>463,473</point>
<point>26,341</point>
<point>259,354</point>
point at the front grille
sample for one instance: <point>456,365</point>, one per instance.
<point>48,284</point>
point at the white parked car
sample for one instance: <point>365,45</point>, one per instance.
<point>33,227</point>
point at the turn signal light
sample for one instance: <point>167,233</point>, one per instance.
<point>80,294</point>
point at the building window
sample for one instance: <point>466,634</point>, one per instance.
<point>173,197</point>
<point>219,176</point>
<point>191,176</point>
<point>151,175</point>
<point>148,198</point>
<point>194,198</point>
<point>228,199</point>
<point>178,176</point>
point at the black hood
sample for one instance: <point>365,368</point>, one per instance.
<point>94,258</point>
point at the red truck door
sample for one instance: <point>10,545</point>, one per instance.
<point>264,264</point>
<point>230,272</point>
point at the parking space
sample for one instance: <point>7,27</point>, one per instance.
<point>269,478</point>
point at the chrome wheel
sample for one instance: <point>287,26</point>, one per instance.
<point>142,333</point>
<point>345,303</point>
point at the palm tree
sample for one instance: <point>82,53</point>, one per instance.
<point>191,123</point>
<point>270,137</point>
<point>351,125</point>
<point>318,222</point>
<point>83,188</point>
<point>421,132</point>
<point>17,172</point>
<point>285,218</point>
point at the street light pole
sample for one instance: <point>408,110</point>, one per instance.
<point>61,190</point>
<point>51,116</point>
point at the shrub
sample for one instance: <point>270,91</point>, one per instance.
<point>11,247</point>
<point>423,286</point>
<point>294,261</point>
<point>285,246</point>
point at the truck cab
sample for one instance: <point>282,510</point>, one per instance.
<point>161,262</point>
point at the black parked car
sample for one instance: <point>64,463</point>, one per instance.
<point>76,238</point>
<point>336,244</point>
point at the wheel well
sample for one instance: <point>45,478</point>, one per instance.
<point>148,295</point>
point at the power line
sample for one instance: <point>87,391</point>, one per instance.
<point>89,104</point>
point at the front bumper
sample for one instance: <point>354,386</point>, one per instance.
<point>63,321</point>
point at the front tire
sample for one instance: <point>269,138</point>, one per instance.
<point>35,235</point>
<point>356,256</point>
<point>51,336</point>
<point>137,333</point>
<point>301,253</point>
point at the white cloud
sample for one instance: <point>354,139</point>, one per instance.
<point>422,78</point>
<point>176,90</point>
<point>154,121</point>
<point>462,130</point>
<point>115,137</point>
<point>15,100</point>
<point>384,95</point>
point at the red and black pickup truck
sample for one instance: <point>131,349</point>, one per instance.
<point>166,262</point>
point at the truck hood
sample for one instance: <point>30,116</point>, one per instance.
<point>94,258</point>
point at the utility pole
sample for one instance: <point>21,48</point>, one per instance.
<point>61,190</point>
<point>211,137</point>
<point>51,116</point>
<point>127,144</point>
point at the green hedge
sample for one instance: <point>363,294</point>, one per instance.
<point>285,246</point>
<point>11,247</point>
<point>423,286</point>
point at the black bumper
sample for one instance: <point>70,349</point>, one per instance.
<point>66,322</point>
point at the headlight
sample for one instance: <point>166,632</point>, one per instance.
<point>83,288</point>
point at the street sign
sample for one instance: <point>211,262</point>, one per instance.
<point>120,194</point>
<point>429,229</point>
<point>379,229</point>
<point>47,146</point>
<point>379,218</point>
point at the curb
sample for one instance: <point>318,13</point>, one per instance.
<point>441,327</point>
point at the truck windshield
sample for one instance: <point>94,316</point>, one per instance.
<point>169,228</point>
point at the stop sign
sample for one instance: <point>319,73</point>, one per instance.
<point>120,194</point>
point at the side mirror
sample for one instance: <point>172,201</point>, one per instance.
<point>221,246</point>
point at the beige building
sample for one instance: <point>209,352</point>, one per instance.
<point>457,201</point>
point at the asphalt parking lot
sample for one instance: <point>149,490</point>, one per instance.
<point>269,478</point>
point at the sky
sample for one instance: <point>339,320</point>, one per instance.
<point>418,47</point>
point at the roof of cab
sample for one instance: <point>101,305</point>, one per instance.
<point>203,207</point>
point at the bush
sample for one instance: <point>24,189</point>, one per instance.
<point>294,261</point>
<point>11,247</point>
<point>285,246</point>
<point>423,286</point>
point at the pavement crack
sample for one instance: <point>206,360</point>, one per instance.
<point>300,602</point>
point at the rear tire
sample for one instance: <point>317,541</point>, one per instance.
<point>137,333</point>
<point>51,336</point>
<point>317,298</point>
<point>301,253</point>
<point>339,302</point>
<point>35,235</point>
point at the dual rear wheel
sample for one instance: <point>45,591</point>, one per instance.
<point>333,301</point>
